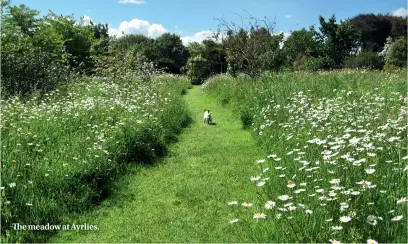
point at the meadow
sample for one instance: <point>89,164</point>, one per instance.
<point>335,167</point>
<point>62,150</point>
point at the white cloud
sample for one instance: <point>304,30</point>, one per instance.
<point>86,20</point>
<point>285,37</point>
<point>288,16</point>
<point>132,1</point>
<point>198,37</point>
<point>137,26</point>
<point>401,12</point>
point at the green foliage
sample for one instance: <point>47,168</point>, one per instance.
<point>365,60</point>
<point>339,40</point>
<point>397,53</point>
<point>307,122</point>
<point>62,152</point>
<point>373,30</point>
<point>32,55</point>
<point>302,42</point>
<point>198,69</point>
<point>206,59</point>
<point>313,64</point>
<point>172,55</point>
<point>253,51</point>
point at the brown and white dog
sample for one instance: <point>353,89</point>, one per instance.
<point>207,117</point>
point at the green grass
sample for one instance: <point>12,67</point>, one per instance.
<point>337,146</point>
<point>184,197</point>
<point>61,152</point>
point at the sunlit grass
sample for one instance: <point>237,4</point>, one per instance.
<point>61,152</point>
<point>336,168</point>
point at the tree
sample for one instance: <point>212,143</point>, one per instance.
<point>251,49</point>
<point>373,30</point>
<point>302,43</point>
<point>172,55</point>
<point>340,40</point>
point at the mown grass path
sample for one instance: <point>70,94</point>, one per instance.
<point>184,197</point>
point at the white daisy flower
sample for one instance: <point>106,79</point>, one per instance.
<point>233,203</point>
<point>397,218</point>
<point>345,219</point>
<point>284,197</point>
<point>234,221</point>
<point>259,216</point>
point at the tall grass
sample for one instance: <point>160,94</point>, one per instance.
<point>336,159</point>
<point>61,152</point>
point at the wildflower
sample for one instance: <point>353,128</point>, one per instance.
<point>272,156</point>
<point>334,181</point>
<point>234,221</point>
<point>291,185</point>
<point>11,185</point>
<point>308,211</point>
<point>260,184</point>
<point>397,218</point>
<point>328,220</point>
<point>14,161</point>
<point>372,220</point>
<point>255,178</point>
<point>270,205</point>
<point>292,208</point>
<point>260,161</point>
<point>370,171</point>
<point>371,241</point>
<point>404,199</point>
<point>259,216</point>
<point>265,169</point>
<point>233,203</point>
<point>334,241</point>
<point>345,219</point>
<point>299,191</point>
<point>337,227</point>
<point>247,204</point>
<point>284,197</point>
<point>353,141</point>
<point>278,216</point>
<point>29,204</point>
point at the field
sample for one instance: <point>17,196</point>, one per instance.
<point>292,157</point>
<point>336,157</point>
<point>61,152</point>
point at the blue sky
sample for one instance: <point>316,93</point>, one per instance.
<point>192,19</point>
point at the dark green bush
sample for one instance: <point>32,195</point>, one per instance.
<point>365,60</point>
<point>25,71</point>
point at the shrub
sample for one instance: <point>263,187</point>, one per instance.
<point>313,64</point>
<point>397,53</point>
<point>365,60</point>
<point>198,70</point>
<point>26,71</point>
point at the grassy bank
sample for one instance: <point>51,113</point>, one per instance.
<point>336,153</point>
<point>61,153</point>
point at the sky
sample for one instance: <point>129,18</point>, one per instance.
<point>194,20</point>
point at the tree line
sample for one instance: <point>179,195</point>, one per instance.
<point>40,53</point>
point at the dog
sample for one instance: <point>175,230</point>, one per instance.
<point>207,117</point>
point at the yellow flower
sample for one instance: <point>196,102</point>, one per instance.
<point>14,161</point>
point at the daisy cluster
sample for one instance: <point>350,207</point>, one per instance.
<point>338,169</point>
<point>73,136</point>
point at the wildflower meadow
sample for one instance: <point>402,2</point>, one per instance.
<point>62,151</point>
<point>336,167</point>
